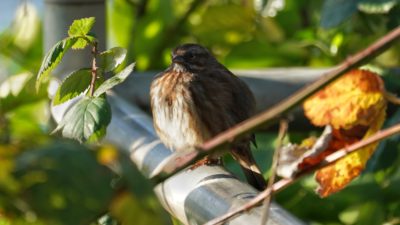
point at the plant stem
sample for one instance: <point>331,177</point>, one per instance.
<point>281,184</point>
<point>283,127</point>
<point>94,69</point>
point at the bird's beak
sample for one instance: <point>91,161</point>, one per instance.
<point>177,59</point>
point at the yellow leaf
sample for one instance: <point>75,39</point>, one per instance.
<point>107,154</point>
<point>335,177</point>
<point>354,105</point>
<point>356,98</point>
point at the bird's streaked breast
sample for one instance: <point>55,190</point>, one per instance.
<point>174,115</point>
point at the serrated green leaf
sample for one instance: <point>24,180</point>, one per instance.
<point>81,27</point>
<point>80,43</point>
<point>335,12</point>
<point>112,58</point>
<point>73,85</point>
<point>115,80</point>
<point>88,116</point>
<point>83,41</point>
<point>53,58</point>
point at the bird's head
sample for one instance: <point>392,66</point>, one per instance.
<point>191,58</point>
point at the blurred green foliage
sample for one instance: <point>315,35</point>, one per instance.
<point>46,180</point>
<point>303,33</point>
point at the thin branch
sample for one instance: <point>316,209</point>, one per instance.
<point>268,117</point>
<point>94,69</point>
<point>281,184</point>
<point>283,127</point>
<point>392,98</point>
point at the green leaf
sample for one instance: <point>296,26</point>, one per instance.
<point>81,27</point>
<point>115,80</point>
<point>19,90</point>
<point>96,136</point>
<point>83,41</point>
<point>14,84</point>
<point>88,116</point>
<point>112,58</point>
<point>80,43</point>
<point>377,6</point>
<point>53,58</point>
<point>72,86</point>
<point>335,12</point>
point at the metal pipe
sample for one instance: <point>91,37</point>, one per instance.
<point>193,196</point>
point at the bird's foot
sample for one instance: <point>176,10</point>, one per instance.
<point>208,162</point>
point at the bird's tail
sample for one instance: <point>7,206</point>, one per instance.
<point>249,166</point>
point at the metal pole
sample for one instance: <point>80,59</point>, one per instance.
<point>193,196</point>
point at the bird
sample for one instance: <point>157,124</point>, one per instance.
<point>196,98</point>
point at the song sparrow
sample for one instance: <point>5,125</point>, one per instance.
<point>196,98</point>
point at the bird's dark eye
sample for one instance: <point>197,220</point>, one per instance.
<point>189,55</point>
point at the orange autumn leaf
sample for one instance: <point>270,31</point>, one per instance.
<point>354,105</point>
<point>356,98</point>
<point>336,176</point>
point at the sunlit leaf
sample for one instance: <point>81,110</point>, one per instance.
<point>80,43</point>
<point>81,27</point>
<point>53,58</point>
<point>112,58</point>
<point>83,41</point>
<point>88,116</point>
<point>19,90</point>
<point>354,99</point>
<point>355,106</point>
<point>26,26</point>
<point>115,80</point>
<point>377,6</point>
<point>14,84</point>
<point>72,86</point>
<point>335,177</point>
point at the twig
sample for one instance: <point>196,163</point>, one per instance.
<point>392,98</point>
<point>283,127</point>
<point>267,117</point>
<point>94,69</point>
<point>281,184</point>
